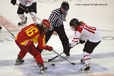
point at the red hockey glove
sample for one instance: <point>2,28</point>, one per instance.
<point>49,48</point>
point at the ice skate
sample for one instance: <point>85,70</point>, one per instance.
<point>86,68</point>
<point>19,61</point>
<point>42,68</point>
<point>22,22</point>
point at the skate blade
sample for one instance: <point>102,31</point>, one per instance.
<point>85,71</point>
<point>42,72</point>
<point>18,63</point>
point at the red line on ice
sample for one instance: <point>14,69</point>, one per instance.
<point>10,26</point>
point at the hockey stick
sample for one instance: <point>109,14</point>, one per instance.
<point>9,32</point>
<point>27,11</point>
<point>49,60</point>
<point>64,58</point>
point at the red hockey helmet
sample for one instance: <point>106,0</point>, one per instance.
<point>46,23</point>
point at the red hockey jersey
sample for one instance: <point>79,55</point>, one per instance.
<point>31,33</point>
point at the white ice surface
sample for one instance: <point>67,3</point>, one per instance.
<point>102,58</point>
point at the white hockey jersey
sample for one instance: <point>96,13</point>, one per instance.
<point>27,2</point>
<point>85,32</point>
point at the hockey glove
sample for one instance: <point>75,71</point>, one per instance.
<point>13,2</point>
<point>82,41</point>
<point>49,48</point>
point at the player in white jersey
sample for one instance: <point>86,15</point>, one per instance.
<point>29,6</point>
<point>85,34</point>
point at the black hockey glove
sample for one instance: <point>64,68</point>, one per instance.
<point>82,41</point>
<point>13,2</point>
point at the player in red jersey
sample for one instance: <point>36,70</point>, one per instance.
<point>27,37</point>
<point>85,34</point>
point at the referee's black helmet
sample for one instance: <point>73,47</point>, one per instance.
<point>65,6</point>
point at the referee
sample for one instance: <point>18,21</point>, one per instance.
<point>57,27</point>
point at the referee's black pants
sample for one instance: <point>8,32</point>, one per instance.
<point>63,37</point>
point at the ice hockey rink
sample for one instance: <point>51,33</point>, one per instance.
<point>98,13</point>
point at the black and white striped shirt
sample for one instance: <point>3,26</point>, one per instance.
<point>56,18</point>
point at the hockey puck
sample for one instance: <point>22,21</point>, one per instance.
<point>53,64</point>
<point>73,63</point>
